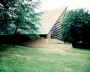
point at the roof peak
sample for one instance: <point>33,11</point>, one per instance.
<point>49,18</point>
<point>56,8</point>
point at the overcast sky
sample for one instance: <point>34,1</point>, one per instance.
<point>71,4</point>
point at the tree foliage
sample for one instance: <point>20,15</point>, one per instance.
<point>19,17</point>
<point>5,14</point>
<point>76,26</point>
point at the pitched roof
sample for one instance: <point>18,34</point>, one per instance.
<point>49,18</point>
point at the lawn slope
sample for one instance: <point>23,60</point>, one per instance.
<point>25,59</point>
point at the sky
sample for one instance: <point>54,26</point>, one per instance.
<point>71,4</point>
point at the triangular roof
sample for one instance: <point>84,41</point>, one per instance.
<point>49,18</point>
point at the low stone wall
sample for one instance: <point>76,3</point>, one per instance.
<point>42,42</point>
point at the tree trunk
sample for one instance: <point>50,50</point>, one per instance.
<point>14,36</point>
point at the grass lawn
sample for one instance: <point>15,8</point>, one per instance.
<point>24,59</point>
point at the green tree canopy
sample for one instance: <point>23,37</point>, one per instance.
<point>19,17</point>
<point>76,26</point>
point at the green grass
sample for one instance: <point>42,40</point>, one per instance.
<point>23,59</point>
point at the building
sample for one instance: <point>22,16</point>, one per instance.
<point>50,27</point>
<point>51,23</point>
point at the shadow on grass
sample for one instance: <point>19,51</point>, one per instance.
<point>81,46</point>
<point>4,47</point>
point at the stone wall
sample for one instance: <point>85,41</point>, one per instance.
<point>42,42</point>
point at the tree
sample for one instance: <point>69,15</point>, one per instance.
<point>76,27</point>
<point>19,17</point>
<point>5,14</point>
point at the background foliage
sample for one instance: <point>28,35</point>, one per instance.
<point>76,26</point>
